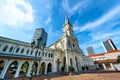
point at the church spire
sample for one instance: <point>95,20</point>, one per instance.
<point>67,20</point>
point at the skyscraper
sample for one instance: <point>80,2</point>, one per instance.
<point>90,50</point>
<point>109,45</point>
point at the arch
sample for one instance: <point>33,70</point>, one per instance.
<point>11,70</point>
<point>39,53</point>
<point>2,64</point>
<point>0,45</point>
<point>31,52</point>
<point>52,55</point>
<point>76,60</point>
<point>11,48</point>
<point>49,55</point>
<point>35,68</point>
<point>42,68</point>
<point>27,51</point>
<point>24,69</point>
<point>49,68</point>
<point>46,54</point>
<point>71,61</point>
<point>17,50</point>
<point>64,64</point>
<point>5,48</point>
<point>43,54</point>
<point>22,50</point>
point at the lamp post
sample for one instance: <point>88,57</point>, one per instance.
<point>34,46</point>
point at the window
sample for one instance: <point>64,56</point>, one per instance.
<point>22,50</point>
<point>17,50</point>
<point>68,43</point>
<point>5,48</point>
<point>39,53</point>
<point>46,54</point>
<point>31,52</point>
<point>28,51</point>
<point>0,45</point>
<point>43,54</point>
<point>73,45</point>
<point>11,48</point>
<point>49,55</point>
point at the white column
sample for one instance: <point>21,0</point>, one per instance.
<point>104,66</point>
<point>46,68</point>
<point>7,63</point>
<point>113,68</point>
<point>52,67</point>
<point>79,66</point>
<point>67,61</point>
<point>54,64</point>
<point>97,66</point>
<point>18,69</point>
<point>38,69</point>
<point>29,69</point>
<point>74,64</point>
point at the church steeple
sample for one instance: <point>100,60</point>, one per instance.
<point>67,29</point>
<point>67,20</point>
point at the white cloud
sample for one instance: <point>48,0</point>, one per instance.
<point>78,7</point>
<point>104,35</point>
<point>16,13</point>
<point>48,21</point>
<point>105,18</point>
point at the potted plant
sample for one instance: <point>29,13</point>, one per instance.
<point>70,69</point>
<point>83,68</point>
<point>63,68</point>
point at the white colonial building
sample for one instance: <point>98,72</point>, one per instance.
<point>17,58</point>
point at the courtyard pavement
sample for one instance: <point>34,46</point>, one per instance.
<point>94,75</point>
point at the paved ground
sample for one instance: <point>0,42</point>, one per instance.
<point>93,76</point>
<point>75,76</point>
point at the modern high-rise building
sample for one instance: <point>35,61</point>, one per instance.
<point>90,50</point>
<point>108,45</point>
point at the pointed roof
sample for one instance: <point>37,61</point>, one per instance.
<point>67,20</point>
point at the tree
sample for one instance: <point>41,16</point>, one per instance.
<point>118,59</point>
<point>70,69</point>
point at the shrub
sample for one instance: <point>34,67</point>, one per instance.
<point>70,69</point>
<point>62,68</point>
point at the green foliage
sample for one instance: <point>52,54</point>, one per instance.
<point>62,68</point>
<point>70,69</point>
<point>118,59</point>
<point>85,68</point>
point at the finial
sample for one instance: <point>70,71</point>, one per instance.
<point>66,20</point>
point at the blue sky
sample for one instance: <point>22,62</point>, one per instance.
<point>93,21</point>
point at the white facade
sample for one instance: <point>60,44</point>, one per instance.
<point>107,61</point>
<point>19,58</point>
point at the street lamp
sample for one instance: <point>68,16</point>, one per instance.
<point>39,42</point>
<point>34,46</point>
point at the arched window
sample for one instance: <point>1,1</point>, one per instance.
<point>0,45</point>
<point>46,54</point>
<point>68,43</point>
<point>11,48</point>
<point>49,55</point>
<point>31,52</point>
<point>5,48</point>
<point>27,51</point>
<point>17,50</point>
<point>39,53</point>
<point>43,54</point>
<point>22,50</point>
